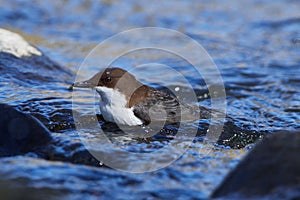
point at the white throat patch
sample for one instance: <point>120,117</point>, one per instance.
<point>113,107</point>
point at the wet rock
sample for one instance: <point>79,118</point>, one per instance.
<point>271,168</point>
<point>238,136</point>
<point>23,64</point>
<point>31,81</point>
<point>19,132</point>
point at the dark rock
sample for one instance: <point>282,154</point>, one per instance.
<point>19,132</point>
<point>25,66</point>
<point>238,136</point>
<point>272,167</point>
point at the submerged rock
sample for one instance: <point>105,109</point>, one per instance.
<point>19,132</point>
<point>271,168</point>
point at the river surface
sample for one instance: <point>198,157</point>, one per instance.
<point>254,44</point>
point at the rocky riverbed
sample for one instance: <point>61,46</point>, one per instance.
<point>43,155</point>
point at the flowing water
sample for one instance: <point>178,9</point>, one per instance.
<point>254,44</point>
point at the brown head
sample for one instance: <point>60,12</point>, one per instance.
<point>120,79</point>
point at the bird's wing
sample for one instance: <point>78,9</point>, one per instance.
<point>159,106</point>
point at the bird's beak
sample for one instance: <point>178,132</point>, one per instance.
<point>90,83</point>
<point>82,84</point>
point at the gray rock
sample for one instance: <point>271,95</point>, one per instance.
<point>271,168</point>
<point>19,132</point>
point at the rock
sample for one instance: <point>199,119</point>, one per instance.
<point>19,132</point>
<point>23,67</point>
<point>14,44</point>
<point>22,63</point>
<point>237,136</point>
<point>271,168</point>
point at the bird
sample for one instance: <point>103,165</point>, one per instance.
<point>125,100</point>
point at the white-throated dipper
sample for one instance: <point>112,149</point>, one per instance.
<point>126,101</point>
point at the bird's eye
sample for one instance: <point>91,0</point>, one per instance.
<point>107,79</point>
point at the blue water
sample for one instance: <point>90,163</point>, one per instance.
<point>253,44</point>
